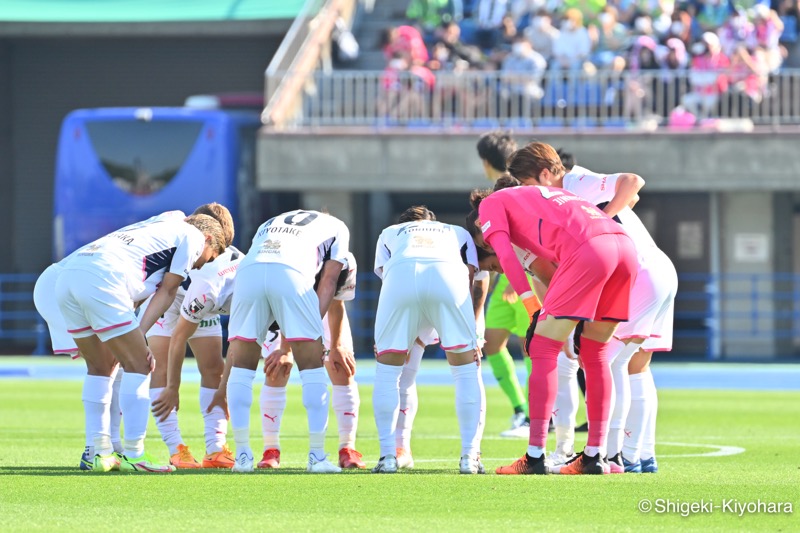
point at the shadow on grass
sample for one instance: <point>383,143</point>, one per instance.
<point>72,471</point>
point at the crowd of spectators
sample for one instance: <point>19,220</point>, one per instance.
<point>708,52</point>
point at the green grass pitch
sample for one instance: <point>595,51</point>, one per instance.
<point>41,424</point>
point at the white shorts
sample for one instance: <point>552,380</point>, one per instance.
<point>652,303</point>
<point>44,298</point>
<point>269,292</point>
<point>417,296</point>
<point>95,304</point>
<point>164,326</point>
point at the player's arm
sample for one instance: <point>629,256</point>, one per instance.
<point>340,356</point>
<point>480,288</point>
<point>544,270</point>
<point>626,193</point>
<point>500,242</point>
<point>327,284</point>
<point>220,398</point>
<point>170,396</point>
<point>161,300</point>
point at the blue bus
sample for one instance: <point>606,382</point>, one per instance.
<point>116,166</point>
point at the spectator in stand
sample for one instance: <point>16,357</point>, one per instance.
<point>713,13</point>
<point>748,80</point>
<point>640,85</point>
<point>521,84</point>
<point>430,14</point>
<point>643,27</point>
<point>405,87</point>
<point>789,14</point>
<point>610,37</point>
<point>450,40</point>
<point>573,46</point>
<point>685,27</point>
<point>736,31</point>
<point>408,41</point>
<point>588,8</point>
<point>523,11</point>
<point>768,29</point>
<point>542,34</point>
<point>672,60</point>
<point>707,76</point>
<point>490,19</point>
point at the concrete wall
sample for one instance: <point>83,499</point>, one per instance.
<point>6,158</point>
<point>445,161</point>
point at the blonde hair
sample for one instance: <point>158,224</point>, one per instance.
<point>210,228</point>
<point>221,214</point>
<point>574,14</point>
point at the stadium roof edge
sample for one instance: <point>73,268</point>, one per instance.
<point>222,28</point>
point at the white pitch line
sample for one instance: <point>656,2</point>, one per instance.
<point>719,451</point>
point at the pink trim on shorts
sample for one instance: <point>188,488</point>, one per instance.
<point>626,337</point>
<point>659,350</point>
<point>300,339</point>
<point>391,351</point>
<point>70,350</point>
<point>113,327</point>
<point>79,330</point>
<point>243,339</point>
<point>451,348</point>
<point>654,336</point>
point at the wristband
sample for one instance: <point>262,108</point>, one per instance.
<point>532,305</point>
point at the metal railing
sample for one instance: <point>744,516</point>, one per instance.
<point>18,317</point>
<point>556,99</point>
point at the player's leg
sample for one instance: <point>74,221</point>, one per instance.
<point>116,412</point>
<point>179,455</point>
<point>96,396</point>
<point>621,354</point>
<point>207,350</point>
<point>641,417</point>
<point>408,406</point>
<point>245,354</point>
<point>273,404</point>
<point>445,304</point>
<point>565,410</point>
<point>345,399</point>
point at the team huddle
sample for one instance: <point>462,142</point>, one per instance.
<point>576,275</point>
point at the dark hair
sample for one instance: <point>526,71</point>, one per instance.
<point>567,159</point>
<point>483,254</point>
<point>472,218</point>
<point>496,147</point>
<point>417,212</point>
<point>505,181</point>
<point>477,196</point>
<point>529,161</point>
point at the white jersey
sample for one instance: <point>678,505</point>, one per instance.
<point>143,252</point>
<point>423,241</point>
<point>210,289</point>
<point>302,240</point>
<point>601,188</point>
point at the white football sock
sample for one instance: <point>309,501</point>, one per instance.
<point>409,401</point>
<point>385,403</point>
<point>566,407</point>
<point>116,411</point>
<point>469,406</point>
<point>216,425</point>
<point>273,404</point>
<point>346,402</point>
<point>170,432</point>
<point>96,398</point>
<point>634,424</point>
<point>240,398</point>
<point>622,395</point>
<point>315,400</point>
<point>134,398</point>
<point>651,409</point>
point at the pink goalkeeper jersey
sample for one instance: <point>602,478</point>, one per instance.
<point>548,221</point>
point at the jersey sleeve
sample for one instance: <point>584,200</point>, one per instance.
<point>382,255</point>
<point>346,290</point>
<point>597,188</point>
<point>481,275</point>
<point>501,243</point>
<point>187,252</point>
<point>468,252</point>
<point>198,302</point>
<point>340,247</point>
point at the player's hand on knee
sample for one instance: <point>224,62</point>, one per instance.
<point>220,400</point>
<point>342,360</point>
<point>168,400</point>
<point>278,364</point>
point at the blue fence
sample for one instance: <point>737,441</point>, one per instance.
<point>709,311</point>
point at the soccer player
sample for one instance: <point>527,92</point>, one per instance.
<point>652,296</point>
<point>275,283</point>
<point>596,268</point>
<point>345,398</point>
<point>427,269</point>
<point>63,343</point>
<point>96,291</point>
<point>505,314</point>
